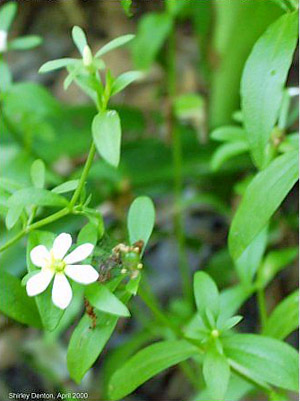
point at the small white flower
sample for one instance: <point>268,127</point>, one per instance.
<point>55,263</point>
<point>3,41</point>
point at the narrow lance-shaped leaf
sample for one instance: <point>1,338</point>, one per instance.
<point>263,80</point>
<point>114,44</point>
<point>36,196</point>
<point>124,80</point>
<point>264,359</point>
<point>206,294</point>
<point>57,64</point>
<point>216,372</point>
<point>262,198</point>
<point>147,363</point>
<point>141,219</point>
<point>284,319</point>
<point>106,130</point>
<point>7,15</point>
<point>79,38</point>
<point>25,42</point>
<point>37,173</point>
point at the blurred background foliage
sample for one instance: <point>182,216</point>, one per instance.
<point>212,40</point>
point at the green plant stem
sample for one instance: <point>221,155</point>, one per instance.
<point>262,307</point>
<point>84,175</point>
<point>47,220</point>
<point>175,136</point>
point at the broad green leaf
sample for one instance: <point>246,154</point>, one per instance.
<point>124,80</point>
<point>6,76</point>
<point>229,134</point>
<point>248,263</point>
<point>25,42</point>
<point>216,372</point>
<point>147,363</point>
<point>13,215</point>
<point>262,198</point>
<point>140,220</point>
<point>86,343</point>
<point>88,233</point>
<point>50,314</point>
<point>37,173</point>
<point>79,38</point>
<point>146,45</point>
<point>264,358</point>
<point>7,14</point>
<point>126,4</point>
<point>57,64</point>
<point>226,152</point>
<point>36,196</point>
<point>67,186</point>
<point>275,261</point>
<point>115,43</point>
<point>284,319</point>
<point>206,294</point>
<point>15,302</point>
<point>263,80</point>
<point>104,300</point>
<point>106,130</point>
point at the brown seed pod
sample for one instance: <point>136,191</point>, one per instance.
<point>91,313</point>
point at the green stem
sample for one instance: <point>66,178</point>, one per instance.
<point>262,307</point>
<point>84,175</point>
<point>177,166</point>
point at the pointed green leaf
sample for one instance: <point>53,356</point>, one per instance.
<point>206,294</point>
<point>263,196</point>
<point>226,152</point>
<point>25,42</point>
<point>106,130</point>
<point>57,64</point>
<point>13,215</point>
<point>37,172</point>
<point>124,80</point>
<point>263,81</point>
<point>7,14</point>
<point>114,44</point>
<point>79,38</point>
<point>216,372</point>
<point>140,220</point>
<point>147,363</point>
<point>36,196</point>
<point>67,186</point>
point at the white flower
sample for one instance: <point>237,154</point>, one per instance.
<point>55,263</point>
<point>3,41</point>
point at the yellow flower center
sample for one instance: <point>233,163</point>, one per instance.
<point>56,265</point>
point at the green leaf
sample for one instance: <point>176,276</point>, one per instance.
<point>13,215</point>
<point>284,319</point>
<point>216,372</point>
<point>115,43</point>
<point>67,186</point>
<point>37,173</point>
<point>264,358</point>
<point>57,64</point>
<point>15,302</point>
<point>274,262</point>
<point>126,4</point>
<point>36,196</point>
<point>104,300</point>
<point>140,220</point>
<point>88,233</point>
<point>146,45</point>
<point>124,80</point>
<point>174,7</point>
<point>86,343</point>
<point>50,314</point>
<point>79,38</point>
<point>229,133</point>
<point>232,298</point>
<point>227,152</point>
<point>7,15</point>
<point>248,263</point>
<point>106,130</point>
<point>6,76</point>
<point>147,363</point>
<point>133,285</point>
<point>206,294</point>
<point>25,42</point>
<point>262,198</point>
<point>263,81</point>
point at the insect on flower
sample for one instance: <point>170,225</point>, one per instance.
<point>55,263</point>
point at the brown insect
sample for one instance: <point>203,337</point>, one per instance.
<point>91,313</point>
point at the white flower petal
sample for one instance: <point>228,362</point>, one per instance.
<point>61,245</point>
<point>61,291</point>
<point>39,282</point>
<point>84,274</point>
<point>39,255</point>
<point>79,254</point>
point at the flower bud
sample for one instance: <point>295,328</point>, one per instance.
<point>87,56</point>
